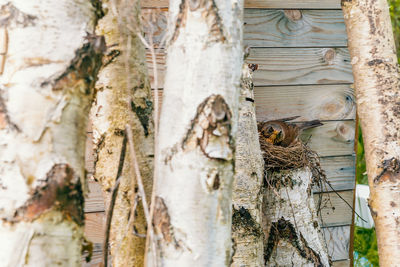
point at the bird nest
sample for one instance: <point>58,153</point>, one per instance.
<point>284,158</point>
<point>297,155</point>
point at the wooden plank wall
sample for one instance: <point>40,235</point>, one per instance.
<point>303,70</point>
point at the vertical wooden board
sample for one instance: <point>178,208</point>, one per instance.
<point>310,102</point>
<point>338,241</point>
<point>300,66</point>
<point>309,4</point>
<point>334,138</point>
<point>334,209</point>
<point>294,28</point>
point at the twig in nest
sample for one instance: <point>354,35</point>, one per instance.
<point>110,209</point>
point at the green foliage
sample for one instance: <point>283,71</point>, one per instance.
<point>366,246</point>
<point>361,173</point>
<point>394,7</point>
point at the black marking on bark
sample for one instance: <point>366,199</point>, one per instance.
<point>98,9</point>
<point>60,191</point>
<point>249,99</point>
<point>211,129</point>
<point>144,114</point>
<point>12,16</point>
<point>375,62</point>
<point>87,248</point>
<point>210,13</point>
<point>390,171</point>
<point>83,67</point>
<point>5,118</point>
<point>109,58</point>
<point>309,253</point>
<point>244,224</point>
<point>284,229</point>
<point>98,146</point>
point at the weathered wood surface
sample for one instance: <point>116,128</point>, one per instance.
<point>334,138</point>
<point>309,4</point>
<point>337,239</point>
<point>287,66</point>
<point>272,28</point>
<point>335,210</point>
<point>310,102</point>
<point>340,172</point>
<point>294,28</point>
<point>296,66</point>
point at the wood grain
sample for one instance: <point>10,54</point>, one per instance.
<point>340,172</point>
<point>334,138</point>
<point>310,102</point>
<point>270,28</point>
<point>294,28</point>
<point>286,66</point>
<point>94,223</point>
<point>338,241</point>
<point>94,202</point>
<point>341,263</point>
<point>300,66</point>
<point>334,210</point>
<point>309,4</point>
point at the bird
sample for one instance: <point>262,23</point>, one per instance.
<point>281,132</point>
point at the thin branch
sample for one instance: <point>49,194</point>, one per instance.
<point>141,187</point>
<point>110,209</point>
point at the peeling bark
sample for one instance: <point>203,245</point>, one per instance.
<point>291,226</point>
<point>46,89</point>
<point>197,134</point>
<point>123,97</point>
<point>247,189</point>
<point>376,80</point>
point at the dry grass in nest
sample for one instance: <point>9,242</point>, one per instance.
<point>296,156</point>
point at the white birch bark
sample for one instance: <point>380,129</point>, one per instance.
<point>123,97</point>
<point>192,208</point>
<point>376,80</point>
<point>293,234</point>
<point>247,195</point>
<point>46,88</point>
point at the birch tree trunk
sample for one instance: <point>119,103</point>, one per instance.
<point>123,97</point>
<point>193,206</point>
<point>247,195</point>
<point>49,65</point>
<point>293,234</point>
<point>376,79</point>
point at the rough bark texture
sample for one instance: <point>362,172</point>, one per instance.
<point>292,229</point>
<point>376,79</point>
<point>123,97</point>
<point>193,208</point>
<point>247,232</point>
<point>45,94</point>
